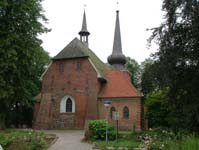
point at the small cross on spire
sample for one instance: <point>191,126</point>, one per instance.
<point>117,4</point>
<point>85,6</point>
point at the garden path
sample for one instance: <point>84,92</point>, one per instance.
<point>69,140</point>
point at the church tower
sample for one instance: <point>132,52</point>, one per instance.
<point>117,59</point>
<point>84,32</point>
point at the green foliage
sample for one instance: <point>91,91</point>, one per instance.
<point>134,68</point>
<point>153,139</point>
<point>4,141</point>
<point>38,143</point>
<point>177,65</point>
<point>22,57</point>
<point>28,140</point>
<point>171,142</point>
<point>189,143</point>
<point>158,112</point>
<point>124,140</point>
<point>98,130</point>
<point>148,78</point>
<point>160,139</point>
<point>119,143</point>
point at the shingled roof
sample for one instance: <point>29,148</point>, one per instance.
<point>76,49</point>
<point>118,85</point>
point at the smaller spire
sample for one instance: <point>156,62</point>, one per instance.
<point>84,25</point>
<point>84,32</point>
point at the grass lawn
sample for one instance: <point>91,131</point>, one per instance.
<point>125,139</point>
<point>12,139</point>
<point>120,143</point>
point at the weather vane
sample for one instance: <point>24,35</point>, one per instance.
<point>117,4</point>
<point>85,6</point>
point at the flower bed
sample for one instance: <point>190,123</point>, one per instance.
<point>24,140</point>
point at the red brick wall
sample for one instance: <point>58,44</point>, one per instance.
<point>134,106</point>
<point>82,85</point>
<point>35,110</point>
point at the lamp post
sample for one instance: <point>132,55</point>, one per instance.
<point>107,104</point>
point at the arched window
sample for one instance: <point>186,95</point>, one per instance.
<point>111,111</point>
<point>125,113</point>
<point>67,104</point>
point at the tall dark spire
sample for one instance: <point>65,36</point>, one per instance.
<point>117,59</point>
<point>84,32</point>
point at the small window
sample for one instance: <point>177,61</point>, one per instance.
<point>125,113</point>
<point>111,111</point>
<point>61,67</point>
<point>69,105</point>
<point>78,66</point>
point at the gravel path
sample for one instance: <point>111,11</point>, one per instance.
<point>69,140</point>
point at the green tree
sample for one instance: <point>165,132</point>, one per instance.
<point>21,54</point>
<point>134,68</point>
<point>158,112</point>
<point>148,79</point>
<point>178,60</point>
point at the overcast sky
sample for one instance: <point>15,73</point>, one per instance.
<point>65,20</point>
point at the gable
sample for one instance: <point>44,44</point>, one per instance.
<point>76,49</point>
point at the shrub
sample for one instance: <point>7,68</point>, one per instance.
<point>4,141</point>
<point>98,130</point>
<point>38,143</point>
<point>158,110</point>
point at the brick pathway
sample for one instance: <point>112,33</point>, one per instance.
<point>69,140</point>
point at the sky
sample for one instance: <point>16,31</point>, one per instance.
<point>65,21</point>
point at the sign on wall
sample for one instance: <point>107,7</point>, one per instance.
<point>115,115</point>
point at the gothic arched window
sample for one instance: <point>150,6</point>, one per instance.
<point>125,112</point>
<point>69,105</point>
<point>111,111</point>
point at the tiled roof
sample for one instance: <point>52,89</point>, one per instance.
<point>118,85</point>
<point>76,49</point>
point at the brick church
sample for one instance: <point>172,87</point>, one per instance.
<point>76,84</point>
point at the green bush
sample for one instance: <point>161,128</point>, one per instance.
<point>98,130</point>
<point>38,143</point>
<point>4,141</point>
<point>158,109</point>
